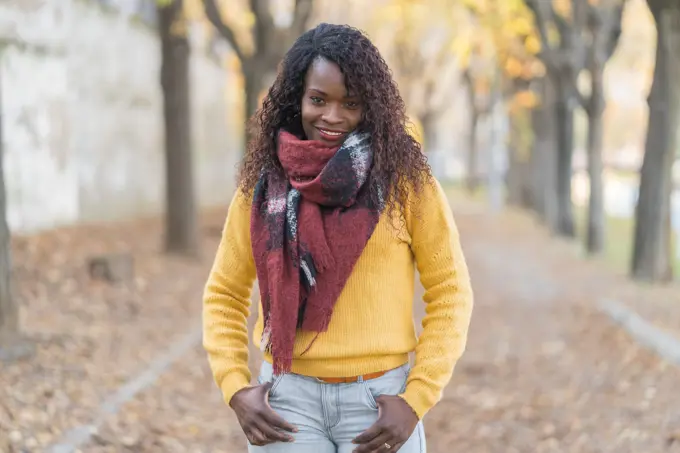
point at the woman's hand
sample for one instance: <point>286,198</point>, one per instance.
<point>396,422</point>
<point>259,422</point>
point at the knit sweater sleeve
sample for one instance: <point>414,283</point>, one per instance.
<point>435,243</point>
<point>226,301</point>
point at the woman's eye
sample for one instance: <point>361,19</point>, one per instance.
<point>316,100</point>
<point>352,105</point>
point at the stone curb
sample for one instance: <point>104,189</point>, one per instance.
<point>80,435</point>
<point>660,342</point>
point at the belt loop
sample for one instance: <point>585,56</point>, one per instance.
<point>360,379</point>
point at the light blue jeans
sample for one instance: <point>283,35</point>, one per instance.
<point>329,416</point>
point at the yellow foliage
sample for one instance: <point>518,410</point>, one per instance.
<point>505,38</point>
<point>525,99</point>
<point>193,10</point>
<point>562,7</point>
<point>513,68</point>
<point>533,44</point>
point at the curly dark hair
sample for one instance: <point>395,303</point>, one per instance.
<point>399,165</point>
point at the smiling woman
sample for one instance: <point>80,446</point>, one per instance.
<point>329,111</point>
<point>335,208</point>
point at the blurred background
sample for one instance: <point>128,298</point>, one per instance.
<point>552,124</point>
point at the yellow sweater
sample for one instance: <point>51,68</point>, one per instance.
<point>372,326</point>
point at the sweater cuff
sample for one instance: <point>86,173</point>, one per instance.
<point>420,397</point>
<point>231,384</point>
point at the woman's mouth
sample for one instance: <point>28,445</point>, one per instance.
<point>331,135</point>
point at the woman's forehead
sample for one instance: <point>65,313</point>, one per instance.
<point>326,77</point>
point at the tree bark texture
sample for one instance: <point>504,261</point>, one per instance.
<point>652,258</point>
<point>604,25</point>
<point>596,215</point>
<point>181,225</point>
<point>519,171</point>
<point>544,154</point>
<point>472,174</point>
<point>13,345</point>
<point>564,115</point>
<point>9,311</point>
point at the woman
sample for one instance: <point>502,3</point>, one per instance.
<point>336,203</point>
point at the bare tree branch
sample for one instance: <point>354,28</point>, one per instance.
<point>581,10</point>
<point>615,29</point>
<point>303,11</point>
<point>264,25</point>
<point>213,14</point>
<point>541,19</point>
<point>604,25</point>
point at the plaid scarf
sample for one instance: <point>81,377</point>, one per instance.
<point>307,232</point>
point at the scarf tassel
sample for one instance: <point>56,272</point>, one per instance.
<point>309,272</point>
<point>266,340</point>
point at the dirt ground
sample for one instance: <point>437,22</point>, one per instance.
<point>544,371</point>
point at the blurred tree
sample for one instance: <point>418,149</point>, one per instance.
<point>510,69</point>
<point>480,72</point>
<point>652,258</point>
<point>13,345</point>
<point>563,21</point>
<point>603,31</point>
<point>417,38</point>
<point>256,39</point>
<point>472,177</point>
<point>181,223</point>
<point>587,32</point>
<point>544,153</point>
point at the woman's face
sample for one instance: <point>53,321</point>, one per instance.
<point>328,112</point>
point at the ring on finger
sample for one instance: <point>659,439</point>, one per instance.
<point>388,446</point>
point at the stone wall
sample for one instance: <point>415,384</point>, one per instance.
<point>82,116</point>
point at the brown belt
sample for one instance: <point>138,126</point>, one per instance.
<point>352,379</point>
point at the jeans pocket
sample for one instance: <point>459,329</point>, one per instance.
<point>275,385</point>
<point>267,375</point>
<point>391,383</point>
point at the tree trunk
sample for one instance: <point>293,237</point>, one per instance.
<point>519,181</point>
<point>256,81</point>
<point>564,115</point>
<point>544,155</point>
<point>496,152</point>
<point>429,131</point>
<point>181,226</point>
<point>12,345</point>
<point>251,101</point>
<point>596,216</point>
<point>472,174</point>
<point>9,312</point>
<point>652,259</point>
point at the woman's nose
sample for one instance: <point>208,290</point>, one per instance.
<point>332,115</point>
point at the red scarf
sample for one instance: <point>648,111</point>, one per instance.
<point>307,233</point>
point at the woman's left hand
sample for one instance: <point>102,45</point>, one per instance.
<point>396,422</point>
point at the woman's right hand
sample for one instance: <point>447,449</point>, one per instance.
<point>258,420</point>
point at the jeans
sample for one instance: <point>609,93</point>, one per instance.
<point>329,416</point>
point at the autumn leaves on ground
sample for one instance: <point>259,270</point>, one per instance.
<point>543,372</point>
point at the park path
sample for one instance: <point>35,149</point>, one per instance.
<point>544,371</point>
